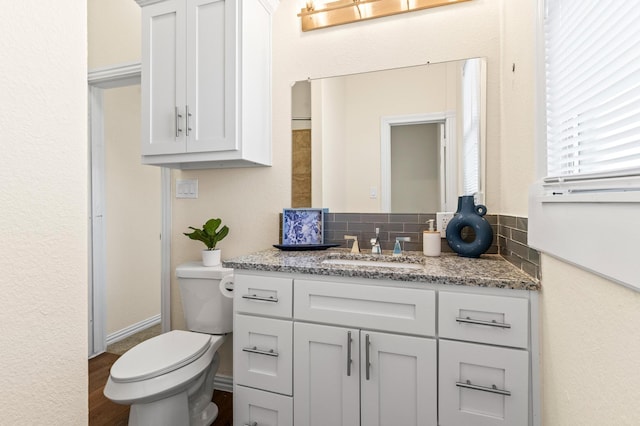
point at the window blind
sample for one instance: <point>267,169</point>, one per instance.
<point>592,61</point>
<point>471,125</point>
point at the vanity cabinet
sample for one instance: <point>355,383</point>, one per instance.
<point>263,350</point>
<point>206,91</point>
<point>483,369</point>
<point>348,376</point>
<point>367,373</point>
<point>315,350</point>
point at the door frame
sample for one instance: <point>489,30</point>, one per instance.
<point>448,155</point>
<point>98,80</point>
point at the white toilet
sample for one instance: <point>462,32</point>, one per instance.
<point>168,379</point>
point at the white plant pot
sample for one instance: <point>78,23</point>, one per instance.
<point>211,257</point>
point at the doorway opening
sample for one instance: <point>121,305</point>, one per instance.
<point>128,281</point>
<point>417,157</point>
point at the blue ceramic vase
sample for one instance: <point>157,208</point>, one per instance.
<point>469,215</point>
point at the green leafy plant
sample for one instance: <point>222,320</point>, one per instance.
<point>209,234</point>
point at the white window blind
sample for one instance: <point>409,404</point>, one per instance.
<point>592,58</point>
<point>471,125</point>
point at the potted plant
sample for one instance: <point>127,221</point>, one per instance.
<point>210,235</point>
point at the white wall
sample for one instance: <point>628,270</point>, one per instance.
<point>132,216</point>
<point>591,348</point>
<point>43,213</point>
<point>114,32</point>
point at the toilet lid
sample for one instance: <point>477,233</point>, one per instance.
<point>160,355</point>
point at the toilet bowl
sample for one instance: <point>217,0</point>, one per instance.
<point>168,379</point>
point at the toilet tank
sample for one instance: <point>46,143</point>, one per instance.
<point>205,309</point>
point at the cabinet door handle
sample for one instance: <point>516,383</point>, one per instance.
<point>367,343</point>
<point>251,424</point>
<point>492,323</point>
<point>255,350</point>
<point>348,353</point>
<point>178,117</point>
<point>188,114</point>
<point>260,298</point>
<point>492,389</point>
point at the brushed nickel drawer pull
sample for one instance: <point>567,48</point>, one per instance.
<point>178,116</point>
<point>491,323</point>
<point>255,350</point>
<point>188,114</point>
<point>492,389</point>
<point>349,353</point>
<point>367,360</point>
<point>260,298</point>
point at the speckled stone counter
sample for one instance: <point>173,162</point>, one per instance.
<point>448,269</point>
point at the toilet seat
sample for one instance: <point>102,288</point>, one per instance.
<point>160,355</point>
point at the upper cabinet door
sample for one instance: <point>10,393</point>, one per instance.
<point>163,76</point>
<point>211,75</point>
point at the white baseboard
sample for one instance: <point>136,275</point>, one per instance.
<point>133,329</point>
<point>223,383</point>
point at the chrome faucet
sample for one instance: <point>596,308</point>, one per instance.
<point>375,243</point>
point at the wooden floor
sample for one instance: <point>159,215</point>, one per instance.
<point>103,412</point>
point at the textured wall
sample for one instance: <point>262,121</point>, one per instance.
<point>114,32</point>
<point>43,213</point>
<point>590,348</point>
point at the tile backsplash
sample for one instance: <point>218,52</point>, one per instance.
<point>512,242</point>
<point>510,234</point>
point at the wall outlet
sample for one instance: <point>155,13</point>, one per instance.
<point>442,220</point>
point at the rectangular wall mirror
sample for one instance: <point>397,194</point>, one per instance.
<point>405,140</point>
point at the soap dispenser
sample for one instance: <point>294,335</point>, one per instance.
<point>431,241</point>
<point>397,250</point>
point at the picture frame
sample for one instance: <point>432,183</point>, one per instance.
<point>303,226</point>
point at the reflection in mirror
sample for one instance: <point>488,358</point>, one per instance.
<point>407,140</point>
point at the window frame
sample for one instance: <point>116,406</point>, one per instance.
<point>587,222</point>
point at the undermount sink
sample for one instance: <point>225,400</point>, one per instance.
<point>371,263</point>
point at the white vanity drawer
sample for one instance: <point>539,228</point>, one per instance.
<point>486,319</point>
<point>263,353</point>
<point>404,310</point>
<point>261,295</point>
<point>256,407</point>
<point>482,385</point>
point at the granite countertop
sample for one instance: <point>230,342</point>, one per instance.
<point>449,269</point>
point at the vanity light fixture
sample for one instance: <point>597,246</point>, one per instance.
<point>318,14</point>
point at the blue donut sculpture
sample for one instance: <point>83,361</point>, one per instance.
<point>469,215</point>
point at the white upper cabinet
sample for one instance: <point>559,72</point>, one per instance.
<point>206,83</point>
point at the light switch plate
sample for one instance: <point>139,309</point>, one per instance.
<point>186,188</point>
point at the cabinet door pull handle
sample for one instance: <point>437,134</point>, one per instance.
<point>251,424</point>
<point>492,389</point>
<point>367,343</point>
<point>348,353</point>
<point>178,117</point>
<point>188,114</point>
<point>491,323</point>
<point>260,298</point>
<point>255,350</point>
